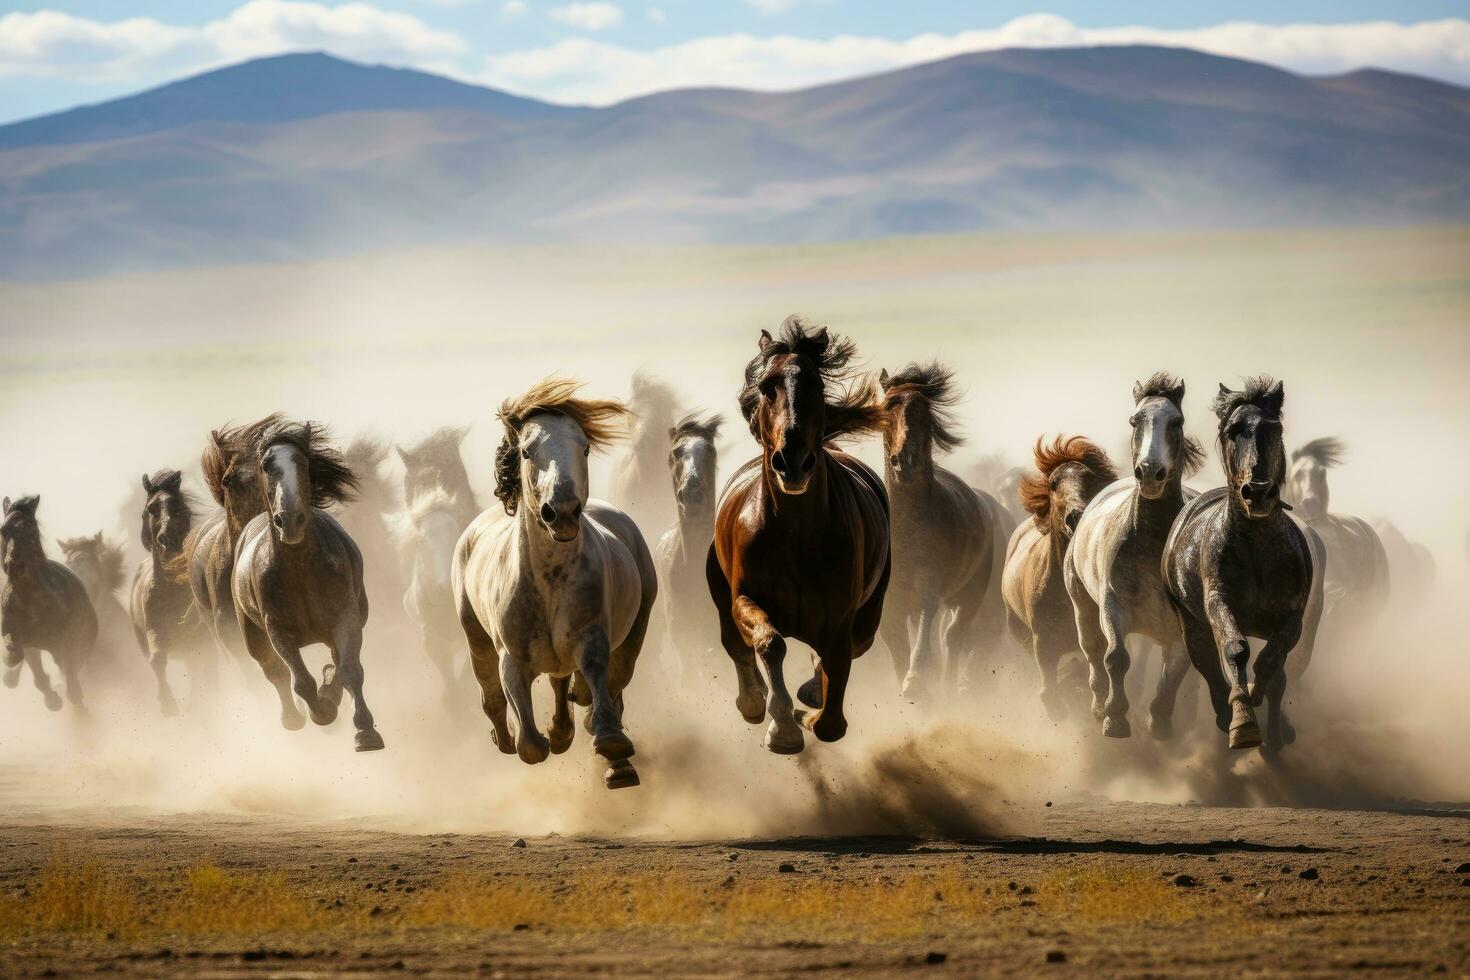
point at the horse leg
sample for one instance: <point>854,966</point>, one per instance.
<point>605,722</point>
<point>829,723</point>
<point>783,736</point>
<point>1116,661</point>
<point>962,639</point>
<point>1095,646</point>
<point>347,654</point>
<point>1270,684</point>
<point>157,654</point>
<point>485,662</point>
<point>515,678</point>
<point>895,630</point>
<point>750,698</point>
<point>562,730</point>
<point>1199,642</point>
<point>32,659</point>
<point>1161,708</point>
<point>264,653</point>
<point>918,683</point>
<point>1235,655</point>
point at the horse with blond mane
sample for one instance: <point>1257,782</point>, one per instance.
<point>801,546</point>
<point>1070,473</point>
<point>553,582</point>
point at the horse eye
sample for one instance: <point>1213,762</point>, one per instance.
<point>586,450</point>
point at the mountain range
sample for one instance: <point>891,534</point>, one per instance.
<point>306,155</point>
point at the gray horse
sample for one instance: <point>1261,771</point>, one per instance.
<point>298,576</point>
<point>165,620</point>
<point>100,564</point>
<point>43,606</point>
<point>1238,566</point>
<point>689,627</point>
<point>1112,567</point>
<point>426,535</point>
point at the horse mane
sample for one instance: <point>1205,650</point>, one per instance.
<point>854,411</point>
<point>332,481</point>
<point>1255,393</point>
<point>227,444</point>
<point>706,427</point>
<point>935,384</point>
<point>599,420</point>
<point>165,475</point>
<point>442,445</point>
<point>652,403</point>
<point>1329,451</point>
<point>108,555</point>
<point>364,456</point>
<point>1035,491</point>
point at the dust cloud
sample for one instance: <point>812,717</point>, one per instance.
<point>107,379</point>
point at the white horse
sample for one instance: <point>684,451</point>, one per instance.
<point>690,626</point>
<point>427,534</point>
<point>1112,569</point>
<point>554,583</point>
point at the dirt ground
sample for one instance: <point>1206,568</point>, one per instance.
<point>1106,888</point>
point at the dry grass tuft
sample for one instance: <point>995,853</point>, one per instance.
<point>1108,892</point>
<point>74,896</point>
<point>215,901</point>
<point>587,902</point>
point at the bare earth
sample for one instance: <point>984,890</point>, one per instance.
<point>1266,889</point>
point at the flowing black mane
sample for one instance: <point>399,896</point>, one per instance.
<point>1329,451</point>
<point>851,412</point>
<point>705,427</point>
<point>935,384</point>
<point>107,554</point>
<point>332,482</point>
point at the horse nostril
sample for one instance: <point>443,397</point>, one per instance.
<point>1161,474</point>
<point>548,515</point>
<point>810,463</point>
<point>1138,472</point>
<point>778,460</point>
<point>893,460</point>
<point>278,520</point>
<point>577,511</point>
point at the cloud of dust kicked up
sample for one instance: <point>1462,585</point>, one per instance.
<point>107,379</point>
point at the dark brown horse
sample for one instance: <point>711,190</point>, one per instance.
<point>99,563</point>
<point>44,606</point>
<point>801,534</point>
<point>1070,472</point>
<point>165,620</point>
<point>948,538</point>
<point>298,576</point>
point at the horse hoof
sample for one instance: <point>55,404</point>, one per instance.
<point>53,701</point>
<point>168,708</point>
<point>785,742</point>
<point>614,747</point>
<point>914,690</point>
<point>1245,736</point>
<point>1116,727</point>
<point>323,712</point>
<point>753,710</point>
<point>367,740</point>
<point>828,730</point>
<point>13,662</point>
<point>533,751</point>
<point>561,740</point>
<point>1161,727</point>
<point>292,721</point>
<point>620,775</point>
<point>1288,733</point>
<point>810,693</point>
<point>12,676</point>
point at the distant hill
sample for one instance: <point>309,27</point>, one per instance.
<point>306,155</point>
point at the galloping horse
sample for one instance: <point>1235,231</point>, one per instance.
<point>43,606</point>
<point>1357,572</point>
<point>165,620</point>
<point>947,551</point>
<point>1070,472</point>
<point>640,476</point>
<point>99,563</point>
<point>435,463</point>
<point>801,545</point>
<point>554,583</point>
<point>1112,568</point>
<point>688,628</point>
<point>369,521</point>
<point>427,534</point>
<point>298,576</point>
<point>1237,566</point>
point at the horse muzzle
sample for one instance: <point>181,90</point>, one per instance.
<point>1151,480</point>
<point>563,522</point>
<point>1260,497</point>
<point>290,527</point>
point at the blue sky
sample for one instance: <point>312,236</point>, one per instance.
<point>63,53</point>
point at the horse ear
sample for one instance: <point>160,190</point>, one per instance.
<point>147,485</point>
<point>1176,395</point>
<point>673,432</point>
<point>765,341</point>
<point>404,455</point>
<point>1137,390</point>
<point>1224,390</point>
<point>6,505</point>
<point>1274,398</point>
<point>883,379</point>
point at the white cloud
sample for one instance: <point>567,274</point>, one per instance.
<point>581,70</point>
<point>513,10</point>
<point>588,16</point>
<point>656,15</point>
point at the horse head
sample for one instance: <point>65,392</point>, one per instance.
<point>1252,450</point>
<point>918,419</point>
<point>298,471</point>
<point>692,460</point>
<point>1306,484</point>
<point>20,535</point>
<point>166,513</point>
<point>1162,453</point>
<point>1070,472</point>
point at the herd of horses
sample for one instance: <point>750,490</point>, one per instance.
<point>805,542</point>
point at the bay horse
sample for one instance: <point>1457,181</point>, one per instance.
<point>640,476</point>
<point>1357,569</point>
<point>688,628</point>
<point>165,620</point>
<point>43,606</point>
<point>553,582</point>
<point>1070,473</point>
<point>1238,566</point>
<point>99,563</point>
<point>1112,569</point>
<point>298,575</point>
<point>948,550</point>
<point>801,544</point>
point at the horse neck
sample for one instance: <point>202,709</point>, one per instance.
<point>905,494</point>
<point>546,555</point>
<point>1252,531</point>
<point>302,552</point>
<point>697,523</point>
<point>1057,544</point>
<point>1157,516</point>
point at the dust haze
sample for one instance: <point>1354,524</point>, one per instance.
<point>107,379</point>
